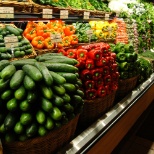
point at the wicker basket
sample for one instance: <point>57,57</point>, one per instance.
<point>125,86</point>
<point>19,7</point>
<point>44,145</point>
<point>94,109</point>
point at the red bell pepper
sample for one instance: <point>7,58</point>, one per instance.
<point>112,54</point>
<point>81,54</point>
<point>107,79</point>
<point>95,54</point>
<point>62,51</point>
<point>81,64</point>
<point>101,92</point>
<point>71,53</point>
<point>108,89</point>
<point>99,82</point>
<point>89,64</point>
<point>110,60</point>
<point>96,74</point>
<point>114,86</point>
<point>86,74</point>
<point>115,76</point>
<point>114,67</point>
<point>106,70</point>
<point>91,94</point>
<point>102,62</point>
<point>86,47</point>
<point>89,84</point>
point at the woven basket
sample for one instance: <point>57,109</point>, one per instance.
<point>24,7</point>
<point>125,86</point>
<point>44,145</point>
<point>94,109</point>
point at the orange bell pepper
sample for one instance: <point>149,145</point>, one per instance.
<point>69,30</point>
<point>60,45</point>
<point>66,41</point>
<point>74,39</point>
<point>38,42</point>
<point>29,33</point>
<point>43,31</point>
<point>48,43</point>
<point>31,24</point>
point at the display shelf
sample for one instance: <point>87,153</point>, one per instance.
<point>38,16</point>
<point>105,134</point>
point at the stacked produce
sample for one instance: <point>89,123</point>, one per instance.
<point>145,69</point>
<point>12,43</point>
<point>81,32</point>
<point>97,69</point>
<point>43,36</point>
<point>121,31</point>
<point>104,30</point>
<point>126,59</point>
<point>77,4</point>
<point>37,97</point>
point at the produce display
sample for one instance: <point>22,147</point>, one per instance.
<point>84,60</point>
<point>126,59</point>
<point>51,35</point>
<point>145,69</point>
<point>122,35</point>
<point>98,69</point>
<point>38,95</point>
<point>12,43</point>
<point>104,30</point>
<point>77,4</point>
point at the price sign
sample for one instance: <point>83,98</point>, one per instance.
<point>6,12</point>
<point>47,13</point>
<point>107,16</point>
<point>89,32</point>
<point>63,14</point>
<point>56,38</point>
<point>86,15</point>
<point>11,41</point>
<point>117,14</point>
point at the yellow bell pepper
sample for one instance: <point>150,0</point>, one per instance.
<point>99,25</point>
<point>98,33</point>
<point>92,24</point>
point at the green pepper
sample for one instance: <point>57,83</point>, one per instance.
<point>130,57</point>
<point>124,75</point>
<point>131,66</point>
<point>119,47</point>
<point>121,57</point>
<point>129,48</point>
<point>123,66</point>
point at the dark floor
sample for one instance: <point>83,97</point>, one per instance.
<point>140,139</point>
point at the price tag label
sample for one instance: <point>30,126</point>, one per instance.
<point>56,38</point>
<point>47,13</point>
<point>89,32</point>
<point>86,15</point>
<point>117,14</point>
<point>107,16</point>
<point>63,14</point>
<point>11,41</point>
<point>6,12</point>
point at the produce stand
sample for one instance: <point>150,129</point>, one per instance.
<point>95,115</point>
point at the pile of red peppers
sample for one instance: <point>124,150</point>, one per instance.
<point>98,69</point>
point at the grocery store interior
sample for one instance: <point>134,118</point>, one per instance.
<point>76,77</point>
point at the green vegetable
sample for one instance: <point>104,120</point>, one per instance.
<point>33,72</point>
